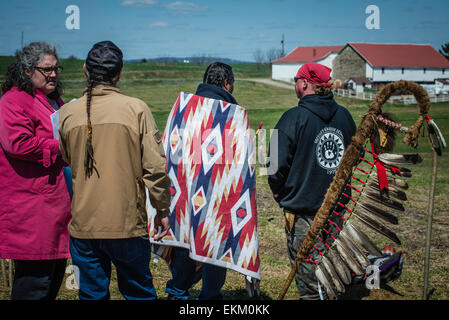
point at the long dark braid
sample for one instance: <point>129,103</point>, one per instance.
<point>89,161</point>
<point>103,66</point>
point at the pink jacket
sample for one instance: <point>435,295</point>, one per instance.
<point>34,201</point>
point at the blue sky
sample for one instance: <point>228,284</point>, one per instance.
<point>229,28</point>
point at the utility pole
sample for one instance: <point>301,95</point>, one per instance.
<point>21,43</point>
<point>282,43</point>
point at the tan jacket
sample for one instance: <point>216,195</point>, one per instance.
<point>128,155</point>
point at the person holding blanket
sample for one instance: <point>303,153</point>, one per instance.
<point>311,139</point>
<point>209,216</point>
<point>34,200</point>
<point>113,147</point>
<point>218,83</point>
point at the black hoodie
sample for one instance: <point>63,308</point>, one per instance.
<point>210,91</point>
<point>311,140</point>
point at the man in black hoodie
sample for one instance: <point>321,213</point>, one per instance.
<point>311,139</point>
<point>218,83</point>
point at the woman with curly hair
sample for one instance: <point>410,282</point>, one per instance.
<point>35,203</point>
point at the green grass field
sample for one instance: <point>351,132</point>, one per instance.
<point>73,70</point>
<point>159,86</point>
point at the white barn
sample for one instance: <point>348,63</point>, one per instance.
<point>285,68</point>
<point>384,63</point>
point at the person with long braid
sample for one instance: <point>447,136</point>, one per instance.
<point>113,146</point>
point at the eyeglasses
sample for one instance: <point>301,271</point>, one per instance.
<point>46,72</point>
<point>296,79</point>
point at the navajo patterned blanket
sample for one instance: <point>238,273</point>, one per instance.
<point>211,163</point>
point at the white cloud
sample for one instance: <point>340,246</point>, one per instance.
<point>184,7</point>
<point>138,3</point>
<point>159,24</point>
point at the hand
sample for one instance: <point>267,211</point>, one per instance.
<point>164,223</point>
<point>275,195</point>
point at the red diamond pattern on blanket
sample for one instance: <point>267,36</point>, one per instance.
<point>210,152</point>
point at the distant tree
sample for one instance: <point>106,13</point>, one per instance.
<point>259,57</point>
<point>273,54</point>
<point>166,61</point>
<point>143,60</point>
<point>202,59</point>
<point>72,57</point>
<point>445,50</point>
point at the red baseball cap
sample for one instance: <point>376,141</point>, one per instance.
<point>315,73</point>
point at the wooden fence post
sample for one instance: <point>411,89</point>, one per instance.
<point>7,273</point>
<point>4,282</point>
<point>10,273</point>
<point>430,211</point>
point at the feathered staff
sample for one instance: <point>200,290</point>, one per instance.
<point>344,245</point>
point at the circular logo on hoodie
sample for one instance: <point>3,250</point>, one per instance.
<point>329,148</point>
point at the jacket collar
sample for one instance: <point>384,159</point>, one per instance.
<point>323,106</point>
<point>42,98</point>
<point>103,89</point>
<point>317,98</point>
<point>210,91</point>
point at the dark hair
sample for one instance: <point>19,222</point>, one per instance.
<point>217,72</point>
<point>25,62</point>
<point>321,90</point>
<point>99,74</point>
<point>89,153</point>
<point>92,81</point>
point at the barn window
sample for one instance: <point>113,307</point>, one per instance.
<point>402,70</point>
<point>424,70</point>
<point>383,70</point>
<point>444,70</point>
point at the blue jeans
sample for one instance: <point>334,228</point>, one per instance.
<point>183,272</point>
<point>68,180</point>
<point>131,257</point>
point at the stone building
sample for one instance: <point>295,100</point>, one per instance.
<point>348,64</point>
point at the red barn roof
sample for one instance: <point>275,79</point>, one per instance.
<point>309,54</point>
<point>400,55</point>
